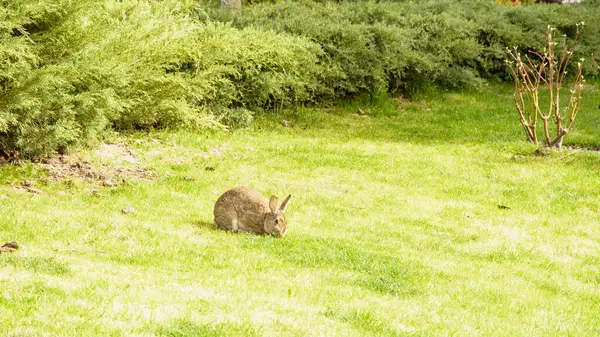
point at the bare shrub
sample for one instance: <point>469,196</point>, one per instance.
<point>540,76</point>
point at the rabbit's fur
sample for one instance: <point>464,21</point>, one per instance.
<point>243,209</point>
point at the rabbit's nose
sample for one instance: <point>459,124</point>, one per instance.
<point>282,233</point>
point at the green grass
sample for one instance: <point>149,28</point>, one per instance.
<point>395,230</point>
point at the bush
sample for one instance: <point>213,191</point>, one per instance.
<point>97,64</point>
<point>18,55</point>
<point>405,46</point>
<point>373,46</point>
<point>100,64</point>
<point>252,68</point>
<point>235,118</point>
<point>352,59</point>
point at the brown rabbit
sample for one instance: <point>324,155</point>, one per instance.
<point>243,209</point>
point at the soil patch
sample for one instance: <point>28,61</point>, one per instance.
<point>123,165</point>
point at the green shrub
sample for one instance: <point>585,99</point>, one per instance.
<point>374,46</point>
<point>253,68</point>
<point>18,54</point>
<point>235,118</point>
<point>351,60</point>
<point>407,45</point>
<point>19,58</point>
<point>97,64</point>
<point>127,64</point>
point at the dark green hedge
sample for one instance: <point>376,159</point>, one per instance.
<point>405,45</point>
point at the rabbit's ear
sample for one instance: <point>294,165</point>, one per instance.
<point>273,204</point>
<point>285,203</point>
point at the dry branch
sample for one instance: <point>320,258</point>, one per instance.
<point>549,70</point>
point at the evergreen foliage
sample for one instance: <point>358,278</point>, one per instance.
<point>406,45</point>
<point>75,69</point>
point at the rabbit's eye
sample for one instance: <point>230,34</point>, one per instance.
<point>277,221</point>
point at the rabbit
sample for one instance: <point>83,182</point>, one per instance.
<point>245,210</point>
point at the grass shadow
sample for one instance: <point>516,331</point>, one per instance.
<point>380,272</point>
<point>212,226</point>
<point>455,117</point>
<point>204,224</point>
<point>186,327</point>
<point>45,265</point>
<point>365,320</point>
<point>30,297</point>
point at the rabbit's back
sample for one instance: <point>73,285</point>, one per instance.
<point>241,209</point>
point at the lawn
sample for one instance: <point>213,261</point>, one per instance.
<point>429,217</point>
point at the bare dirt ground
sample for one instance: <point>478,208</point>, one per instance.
<point>119,164</point>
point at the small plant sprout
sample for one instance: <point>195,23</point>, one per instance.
<point>536,73</point>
